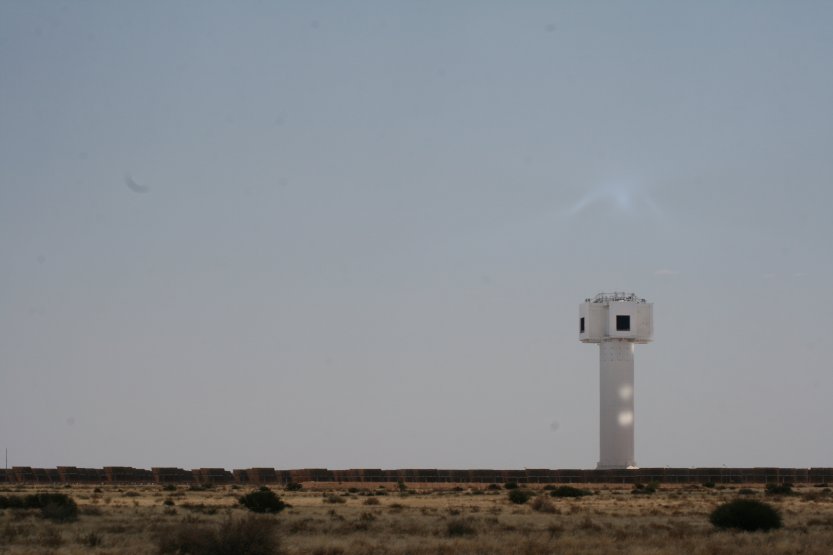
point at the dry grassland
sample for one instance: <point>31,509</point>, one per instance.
<point>330,519</point>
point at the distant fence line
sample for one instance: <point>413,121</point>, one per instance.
<point>169,475</point>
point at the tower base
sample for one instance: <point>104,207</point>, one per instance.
<point>600,466</point>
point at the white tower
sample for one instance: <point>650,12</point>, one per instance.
<point>616,321</point>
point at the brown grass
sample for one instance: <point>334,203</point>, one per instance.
<point>430,521</point>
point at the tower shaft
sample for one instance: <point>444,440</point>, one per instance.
<point>616,416</point>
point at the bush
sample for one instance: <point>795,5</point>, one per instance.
<point>569,491</point>
<point>294,486</point>
<point>201,508</point>
<point>11,502</point>
<point>460,527</point>
<point>334,499</point>
<point>519,496</point>
<point>746,514</point>
<point>251,535</point>
<point>371,501</point>
<point>51,537</point>
<point>708,484</point>
<point>779,489</point>
<point>58,507</point>
<point>510,485</point>
<point>494,486</point>
<point>543,505</point>
<point>263,500</point>
<point>60,511</point>
<point>642,489</point>
<point>92,539</point>
<point>746,491</point>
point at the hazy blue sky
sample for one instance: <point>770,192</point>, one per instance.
<point>356,234</point>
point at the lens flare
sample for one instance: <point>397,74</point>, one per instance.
<point>626,392</point>
<point>625,418</point>
<point>623,197</point>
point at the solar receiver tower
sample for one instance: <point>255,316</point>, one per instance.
<point>616,321</point>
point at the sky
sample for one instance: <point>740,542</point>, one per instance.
<point>356,235</point>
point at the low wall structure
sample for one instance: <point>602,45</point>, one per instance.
<point>257,476</point>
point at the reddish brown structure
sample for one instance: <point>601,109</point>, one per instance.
<point>261,475</point>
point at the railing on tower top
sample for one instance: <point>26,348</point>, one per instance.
<point>616,296</point>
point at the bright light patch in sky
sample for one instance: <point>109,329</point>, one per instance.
<point>621,196</point>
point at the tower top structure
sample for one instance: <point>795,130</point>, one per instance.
<point>617,315</point>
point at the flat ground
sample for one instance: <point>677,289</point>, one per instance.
<point>333,519</point>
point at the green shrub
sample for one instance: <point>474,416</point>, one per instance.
<point>785,488</point>
<point>263,500</point>
<point>493,486</point>
<point>746,491</point>
<point>708,484</point>
<point>371,501</point>
<point>294,486</point>
<point>519,496</point>
<point>334,499</point>
<point>569,491</point>
<point>746,514</point>
<point>510,485</point>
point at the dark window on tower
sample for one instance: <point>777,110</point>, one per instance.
<point>623,322</point>
<point>581,325</point>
